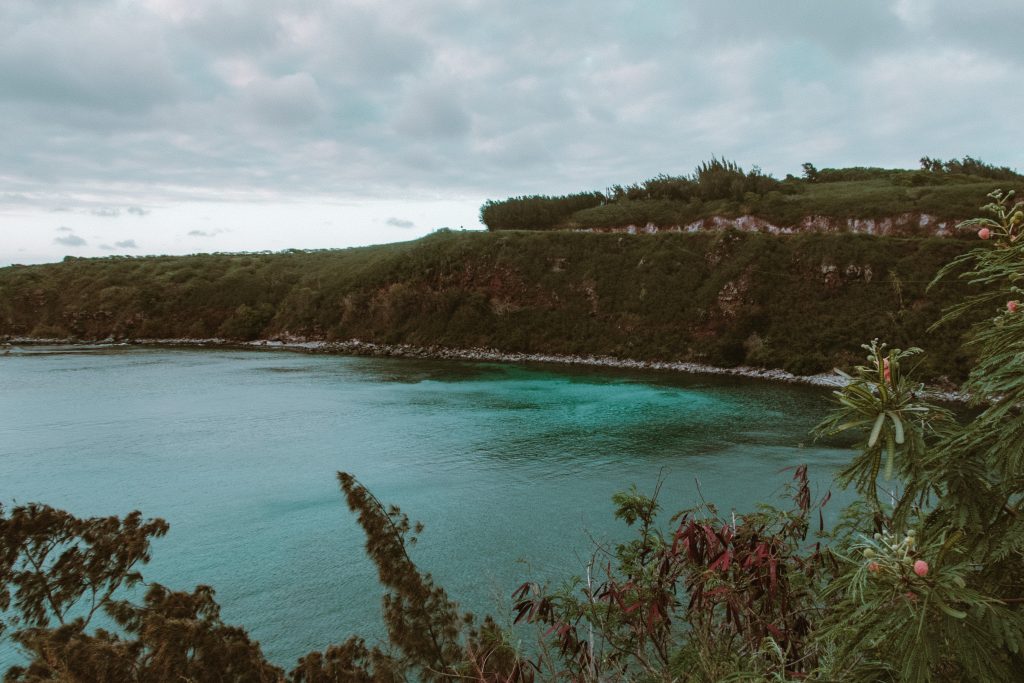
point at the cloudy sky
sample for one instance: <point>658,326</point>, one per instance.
<point>179,126</point>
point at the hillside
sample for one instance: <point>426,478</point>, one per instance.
<point>925,202</point>
<point>803,303</point>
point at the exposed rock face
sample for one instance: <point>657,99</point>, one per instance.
<point>900,225</point>
<point>833,275</point>
<point>730,297</point>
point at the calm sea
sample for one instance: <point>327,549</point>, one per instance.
<point>511,468</point>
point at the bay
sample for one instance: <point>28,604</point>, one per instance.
<point>511,468</point>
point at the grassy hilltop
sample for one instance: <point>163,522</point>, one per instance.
<point>803,302</point>
<point>944,191</point>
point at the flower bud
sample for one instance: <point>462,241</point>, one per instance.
<point>868,552</point>
<point>984,233</point>
<point>921,568</point>
<point>873,566</point>
<point>1012,306</point>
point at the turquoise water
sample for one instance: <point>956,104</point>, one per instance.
<point>511,468</point>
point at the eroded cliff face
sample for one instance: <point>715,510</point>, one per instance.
<point>804,302</point>
<point>900,225</point>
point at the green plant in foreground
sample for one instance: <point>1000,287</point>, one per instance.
<point>935,592</point>
<point>882,401</point>
<point>59,572</point>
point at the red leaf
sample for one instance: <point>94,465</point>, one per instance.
<point>722,561</point>
<point>652,617</point>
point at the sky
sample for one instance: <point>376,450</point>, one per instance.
<point>184,126</point>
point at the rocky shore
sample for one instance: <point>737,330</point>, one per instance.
<point>355,347</point>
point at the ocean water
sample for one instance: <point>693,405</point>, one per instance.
<point>511,468</point>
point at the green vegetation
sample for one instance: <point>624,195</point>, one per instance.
<point>723,298</point>
<point>944,190</point>
<point>537,213</point>
<point>922,581</point>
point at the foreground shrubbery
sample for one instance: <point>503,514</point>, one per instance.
<point>922,581</point>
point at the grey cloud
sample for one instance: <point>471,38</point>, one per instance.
<point>290,100</point>
<point>433,113</point>
<point>137,211</point>
<point>123,244</point>
<point>365,45</point>
<point>106,212</point>
<point>199,233</point>
<point>400,223</point>
<point>70,239</point>
<point>90,54</point>
<point>845,30</point>
<point>233,28</point>
<point>64,228</point>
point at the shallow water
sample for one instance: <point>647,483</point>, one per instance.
<point>511,468</point>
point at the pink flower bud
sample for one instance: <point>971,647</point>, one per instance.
<point>921,568</point>
<point>1012,306</point>
<point>984,233</point>
<point>872,566</point>
<point>886,370</point>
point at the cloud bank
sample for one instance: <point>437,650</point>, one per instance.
<point>164,100</point>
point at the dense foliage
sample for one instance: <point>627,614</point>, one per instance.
<point>922,581</point>
<point>724,298</point>
<point>968,166</point>
<point>945,190</point>
<point>536,212</point>
<point>59,573</point>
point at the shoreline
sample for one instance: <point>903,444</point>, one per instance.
<point>356,347</point>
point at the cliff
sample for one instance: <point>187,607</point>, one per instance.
<point>803,303</point>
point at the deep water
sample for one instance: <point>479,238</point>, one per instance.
<point>511,468</point>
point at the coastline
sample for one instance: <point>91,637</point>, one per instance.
<point>356,347</point>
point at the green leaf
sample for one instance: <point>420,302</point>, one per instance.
<point>873,439</point>
<point>898,426</point>
<point>955,613</point>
